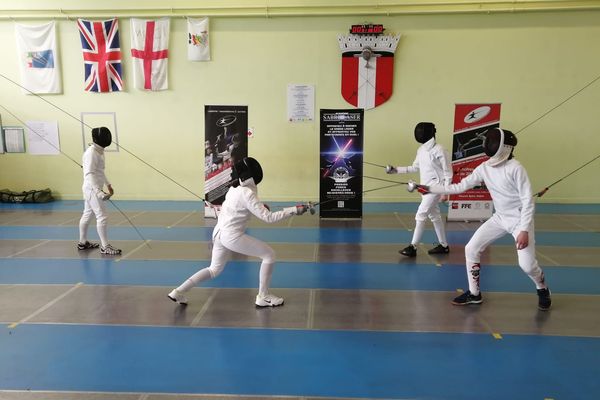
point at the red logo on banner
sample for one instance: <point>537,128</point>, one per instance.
<point>367,69</point>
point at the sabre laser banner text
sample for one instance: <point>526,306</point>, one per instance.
<point>341,163</point>
<point>226,140</point>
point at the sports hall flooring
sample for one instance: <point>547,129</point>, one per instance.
<point>359,320</point>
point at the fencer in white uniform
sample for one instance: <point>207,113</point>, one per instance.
<point>94,197</point>
<point>229,235</point>
<point>433,164</point>
<point>510,189</point>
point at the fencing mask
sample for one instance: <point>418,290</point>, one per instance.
<point>246,169</point>
<point>424,131</point>
<point>101,136</point>
<point>498,144</point>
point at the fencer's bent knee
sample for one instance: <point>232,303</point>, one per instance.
<point>215,270</point>
<point>269,257</point>
<point>472,252</point>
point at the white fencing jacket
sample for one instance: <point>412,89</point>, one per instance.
<point>93,168</point>
<point>240,204</point>
<point>509,187</point>
<point>433,164</point>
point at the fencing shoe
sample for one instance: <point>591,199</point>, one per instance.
<point>439,249</point>
<point>544,300</point>
<point>178,297</point>
<point>268,300</point>
<point>87,245</point>
<point>409,251</point>
<point>109,250</point>
<point>467,298</point>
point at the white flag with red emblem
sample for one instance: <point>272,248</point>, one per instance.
<point>198,49</point>
<point>150,51</point>
<point>38,59</point>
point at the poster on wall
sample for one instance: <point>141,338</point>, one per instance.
<point>225,141</point>
<point>341,159</point>
<point>471,121</point>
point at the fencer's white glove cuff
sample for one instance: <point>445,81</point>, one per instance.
<point>390,169</point>
<point>290,210</point>
<point>301,209</point>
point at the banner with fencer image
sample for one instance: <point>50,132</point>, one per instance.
<point>225,141</point>
<point>471,121</point>
<point>341,160</point>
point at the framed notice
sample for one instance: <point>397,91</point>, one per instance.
<point>42,138</point>
<point>14,139</point>
<point>300,103</point>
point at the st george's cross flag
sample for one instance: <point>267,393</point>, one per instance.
<point>198,49</point>
<point>149,49</point>
<point>101,55</point>
<point>38,58</point>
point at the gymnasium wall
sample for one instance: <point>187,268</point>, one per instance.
<point>528,61</point>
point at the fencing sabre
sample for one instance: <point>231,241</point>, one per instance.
<point>311,205</point>
<point>543,191</point>
<point>80,166</point>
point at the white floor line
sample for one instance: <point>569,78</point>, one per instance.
<point>400,220</point>
<point>204,308</point>
<point>47,306</point>
<point>131,217</point>
<point>542,255</point>
<point>316,252</point>
<point>565,219</point>
<point>310,320</point>
<point>29,248</point>
<point>126,256</point>
<point>144,396</point>
<point>182,219</point>
<point>69,220</point>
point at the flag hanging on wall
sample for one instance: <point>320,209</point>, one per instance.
<point>198,49</point>
<point>38,58</point>
<point>149,49</point>
<point>101,55</point>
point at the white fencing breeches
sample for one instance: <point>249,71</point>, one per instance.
<point>93,206</point>
<point>429,208</point>
<point>493,229</point>
<point>223,248</point>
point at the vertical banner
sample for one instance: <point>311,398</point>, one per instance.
<point>341,158</point>
<point>38,59</point>
<point>226,141</point>
<point>470,123</point>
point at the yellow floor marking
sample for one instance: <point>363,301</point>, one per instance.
<point>497,336</point>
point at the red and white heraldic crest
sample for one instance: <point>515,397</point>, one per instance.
<point>367,68</point>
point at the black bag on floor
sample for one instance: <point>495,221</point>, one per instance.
<point>32,196</point>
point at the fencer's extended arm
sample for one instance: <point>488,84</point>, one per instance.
<point>523,184</point>
<point>467,183</point>
<point>403,170</point>
<point>257,208</point>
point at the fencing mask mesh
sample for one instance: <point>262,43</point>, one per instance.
<point>102,136</point>
<point>424,131</point>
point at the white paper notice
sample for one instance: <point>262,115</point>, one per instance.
<point>300,102</point>
<point>42,137</point>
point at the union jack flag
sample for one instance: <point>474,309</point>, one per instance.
<point>101,55</point>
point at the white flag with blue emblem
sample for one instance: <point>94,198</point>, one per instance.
<point>38,59</point>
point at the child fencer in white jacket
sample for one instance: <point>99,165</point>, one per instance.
<point>508,183</point>
<point>229,235</point>
<point>433,164</point>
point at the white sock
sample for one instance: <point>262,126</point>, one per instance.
<point>266,270</point>
<point>200,276</point>
<point>440,231</point>
<point>102,232</point>
<point>473,275</point>
<point>418,233</point>
<point>83,227</point>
